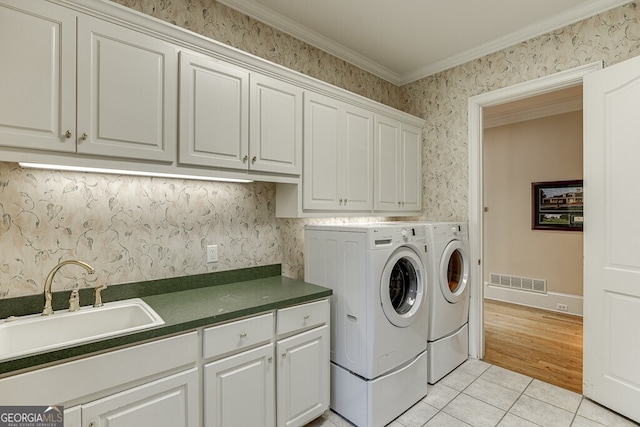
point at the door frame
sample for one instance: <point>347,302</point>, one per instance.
<point>539,86</point>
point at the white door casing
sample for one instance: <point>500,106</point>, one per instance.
<point>523,90</point>
<point>612,231</point>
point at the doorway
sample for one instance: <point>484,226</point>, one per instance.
<point>537,139</point>
<point>477,104</point>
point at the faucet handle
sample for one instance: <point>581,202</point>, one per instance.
<point>97,294</point>
<point>74,300</point>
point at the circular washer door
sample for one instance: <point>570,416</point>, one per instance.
<point>401,287</point>
<point>454,271</point>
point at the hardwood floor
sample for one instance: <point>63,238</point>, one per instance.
<point>541,344</point>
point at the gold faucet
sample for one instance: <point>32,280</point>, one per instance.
<point>49,280</point>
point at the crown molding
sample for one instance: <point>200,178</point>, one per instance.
<point>569,17</point>
<point>263,14</point>
<point>281,23</point>
<point>551,108</point>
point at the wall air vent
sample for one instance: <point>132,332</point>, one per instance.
<point>516,282</point>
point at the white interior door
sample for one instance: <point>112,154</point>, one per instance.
<point>611,236</point>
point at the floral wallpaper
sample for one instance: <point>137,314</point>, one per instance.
<point>442,99</point>
<point>132,228</point>
<point>128,228</point>
<point>135,228</point>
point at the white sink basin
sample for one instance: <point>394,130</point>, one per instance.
<point>35,333</point>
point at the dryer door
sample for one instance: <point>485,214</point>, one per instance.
<point>454,271</point>
<point>401,287</point>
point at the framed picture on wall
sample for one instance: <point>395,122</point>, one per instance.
<point>557,205</point>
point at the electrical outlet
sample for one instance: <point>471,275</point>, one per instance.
<point>562,307</point>
<point>212,253</point>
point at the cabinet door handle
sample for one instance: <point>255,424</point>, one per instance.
<point>92,424</point>
<point>67,134</point>
<point>244,159</point>
<point>243,334</point>
<point>253,159</point>
<point>340,202</point>
<point>306,317</point>
<point>270,359</point>
<point>84,136</point>
<point>345,201</point>
<point>284,355</point>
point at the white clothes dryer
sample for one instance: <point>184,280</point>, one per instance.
<point>379,315</point>
<point>448,330</point>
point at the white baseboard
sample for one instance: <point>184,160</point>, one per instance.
<point>547,301</point>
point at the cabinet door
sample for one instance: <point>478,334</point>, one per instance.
<point>303,377</point>
<point>276,126</point>
<point>73,416</point>
<point>127,92</point>
<point>357,159</point>
<point>338,158</point>
<point>239,390</point>
<point>321,153</point>
<point>167,402</point>
<point>411,169</point>
<point>214,113</point>
<point>38,69</point>
<point>386,170</point>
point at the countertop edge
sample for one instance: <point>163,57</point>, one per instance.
<point>185,318</point>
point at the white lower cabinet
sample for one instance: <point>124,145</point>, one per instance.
<point>73,416</point>
<point>244,386</point>
<point>131,386</point>
<point>168,402</point>
<point>303,377</point>
<point>271,369</point>
<point>239,390</point>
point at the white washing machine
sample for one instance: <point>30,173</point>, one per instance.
<point>379,316</point>
<point>448,336</point>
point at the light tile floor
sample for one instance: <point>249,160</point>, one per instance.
<point>479,394</point>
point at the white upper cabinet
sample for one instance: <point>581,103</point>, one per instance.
<point>214,113</point>
<point>338,160</point>
<point>126,99</point>
<point>398,158</point>
<point>38,76</point>
<point>90,84</point>
<point>276,126</point>
<point>231,118</point>
<point>357,159</point>
<point>127,92</point>
<point>321,147</point>
<point>411,170</point>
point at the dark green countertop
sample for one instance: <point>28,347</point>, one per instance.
<point>184,304</point>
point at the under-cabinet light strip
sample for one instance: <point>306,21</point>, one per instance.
<point>129,172</point>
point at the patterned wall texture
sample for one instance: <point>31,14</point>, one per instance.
<point>134,228</point>
<point>442,99</point>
